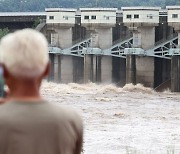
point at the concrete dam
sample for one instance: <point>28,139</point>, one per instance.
<point>107,45</point>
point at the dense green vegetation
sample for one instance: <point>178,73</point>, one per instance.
<point>40,5</point>
<point>3,32</point>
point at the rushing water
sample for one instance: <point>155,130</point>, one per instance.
<point>132,119</point>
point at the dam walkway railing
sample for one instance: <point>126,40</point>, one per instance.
<point>164,49</point>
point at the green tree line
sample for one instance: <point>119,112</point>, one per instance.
<point>40,5</point>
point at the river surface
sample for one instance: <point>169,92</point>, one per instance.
<point>128,120</point>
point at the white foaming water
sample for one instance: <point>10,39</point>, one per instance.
<point>132,119</point>
<point>138,88</point>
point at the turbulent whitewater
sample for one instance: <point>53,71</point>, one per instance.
<point>132,119</point>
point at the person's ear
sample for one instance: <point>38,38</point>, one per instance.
<point>47,70</point>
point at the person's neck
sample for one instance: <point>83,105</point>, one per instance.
<point>25,90</point>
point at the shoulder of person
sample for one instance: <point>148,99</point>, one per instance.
<point>68,112</point>
<point>72,112</point>
<point>73,115</point>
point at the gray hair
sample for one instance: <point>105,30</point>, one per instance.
<point>24,53</point>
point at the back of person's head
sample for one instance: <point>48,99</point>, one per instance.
<point>24,53</point>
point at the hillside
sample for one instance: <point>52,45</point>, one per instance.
<point>40,5</point>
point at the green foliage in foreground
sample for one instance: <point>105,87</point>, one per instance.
<point>40,5</point>
<point>36,22</point>
<point>3,32</point>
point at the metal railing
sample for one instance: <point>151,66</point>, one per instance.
<point>163,49</point>
<point>122,39</point>
<point>170,37</point>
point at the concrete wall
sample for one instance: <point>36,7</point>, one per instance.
<point>162,71</point>
<point>143,71</point>
<point>175,74</point>
<point>62,37</point>
<point>144,37</point>
<point>104,37</point>
<point>51,73</point>
<point>145,16</point>
<point>60,16</point>
<point>175,61</point>
<point>137,40</point>
<point>97,68</point>
<point>57,68</point>
<point>78,69</point>
<point>103,16</point>
<point>92,68</point>
<point>104,42</point>
<point>119,71</point>
<point>88,71</point>
<point>173,12</point>
<point>179,37</point>
<point>94,40</point>
<point>106,69</point>
<point>66,69</point>
<point>149,71</point>
<point>131,69</point>
<point>101,38</point>
<point>54,39</point>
